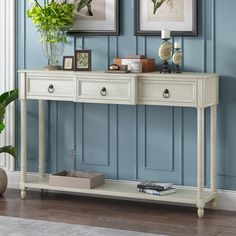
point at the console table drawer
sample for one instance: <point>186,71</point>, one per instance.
<point>103,90</point>
<point>167,91</point>
<point>50,88</point>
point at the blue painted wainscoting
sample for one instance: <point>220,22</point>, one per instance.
<point>138,142</point>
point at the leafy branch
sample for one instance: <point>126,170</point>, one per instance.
<point>5,100</point>
<point>52,14</point>
<point>51,19</point>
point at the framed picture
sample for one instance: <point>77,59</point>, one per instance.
<point>178,16</point>
<point>83,60</point>
<point>96,17</point>
<point>68,63</point>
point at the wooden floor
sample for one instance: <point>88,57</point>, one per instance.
<point>117,214</point>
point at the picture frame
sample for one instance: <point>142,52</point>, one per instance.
<point>68,63</point>
<point>83,60</point>
<point>178,16</point>
<point>100,19</point>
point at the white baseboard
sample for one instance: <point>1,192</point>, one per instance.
<point>226,199</point>
<point>14,178</point>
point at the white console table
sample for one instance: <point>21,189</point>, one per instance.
<point>187,90</point>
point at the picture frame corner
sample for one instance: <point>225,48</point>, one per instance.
<point>152,32</point>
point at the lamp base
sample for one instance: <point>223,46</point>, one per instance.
<point>178,69</point>
<point>165,68</point>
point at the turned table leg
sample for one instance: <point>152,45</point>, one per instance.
<point>213,152</point>
<point>41,139</point>
<point>23,147</point>
<point>200,162</point>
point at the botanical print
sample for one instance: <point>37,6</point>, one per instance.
<point>82,60</point>
<point>158,3</point>
<point>166,10</point>
<point>96,17</point>
<point>85,4</point>
<point>91,10</point>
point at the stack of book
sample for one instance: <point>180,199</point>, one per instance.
<point>136,63</point>
<point>156,188</point>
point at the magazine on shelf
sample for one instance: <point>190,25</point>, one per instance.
<point>159,193</point>
<point>154,185</point>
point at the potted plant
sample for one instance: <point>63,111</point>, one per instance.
<point>5,99</point>
<point>53,19</point>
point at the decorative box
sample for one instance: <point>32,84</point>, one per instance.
<point>71,179</point>
<point>148,65</point>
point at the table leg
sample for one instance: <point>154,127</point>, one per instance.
<point>200,164</point>
<point>213,151</point>
<point>23,147</point>
<point>41,139</point>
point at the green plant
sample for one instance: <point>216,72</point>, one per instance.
<point>51,14</point>
<point>5,99</point>
<point>52,17</point>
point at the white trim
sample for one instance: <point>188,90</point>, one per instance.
<point>7,74</point>
<point>226,199</point>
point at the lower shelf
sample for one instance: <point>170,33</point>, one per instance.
<point>125,190</point>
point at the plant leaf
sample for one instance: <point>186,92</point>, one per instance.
<point>10,150</point>
<point>157,5</point>
<point>5,99</point>
<point>2,114</point>
<point>82,4</point>
<point>2,126</point>
<point>8,97</point>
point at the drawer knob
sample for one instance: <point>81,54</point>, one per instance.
<point>50,88</point>
<point>166,93</point>
<point>103,91</point>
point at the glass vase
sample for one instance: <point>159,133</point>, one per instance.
<point>53,41</point>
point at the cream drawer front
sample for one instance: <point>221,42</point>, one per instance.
<point>50,88</point>
<point>107,91</point>
<point>167,92</point>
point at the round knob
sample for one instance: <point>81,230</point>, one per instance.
<point>166,93</point>
<point>103,91</point>
<point>50,88</point>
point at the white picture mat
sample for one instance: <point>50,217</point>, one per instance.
<point>99,25</point>
<point>185,25</point>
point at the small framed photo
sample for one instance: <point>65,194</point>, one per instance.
<point>83,60</point>
<point>68,63</point>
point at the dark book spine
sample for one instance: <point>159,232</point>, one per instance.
<point>151,187</point>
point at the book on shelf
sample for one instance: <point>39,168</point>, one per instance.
<point>159,193</point>
<point>154,185</point>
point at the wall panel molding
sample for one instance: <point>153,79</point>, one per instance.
<point>7,75</point>
<point>104,134</point>
<point>168,146</point>
<point>214,36</point>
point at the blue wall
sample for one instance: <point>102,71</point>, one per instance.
<point>139,142</point>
